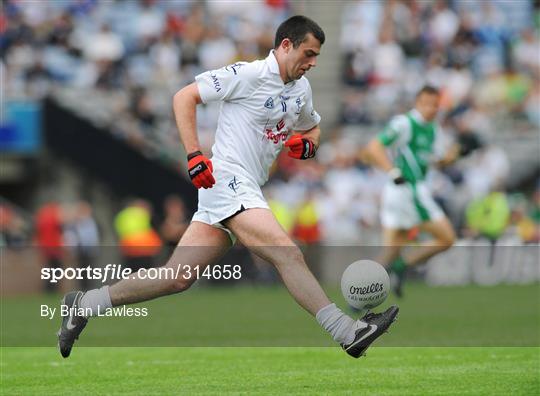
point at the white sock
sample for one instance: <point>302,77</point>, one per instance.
<point>96,300</point>
<point>341,327</point>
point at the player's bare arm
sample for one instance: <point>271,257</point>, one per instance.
<point>314,134</point>
<point>185,103</point>
<point>374,153</point>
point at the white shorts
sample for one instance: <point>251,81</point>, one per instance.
<point>404,206</point>
<point>234,191</point>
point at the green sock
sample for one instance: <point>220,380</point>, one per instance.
<point>398,266</point>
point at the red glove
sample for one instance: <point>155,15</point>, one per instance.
<point>200,170</point>
<point>301,147</point>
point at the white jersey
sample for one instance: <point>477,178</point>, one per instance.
<point>257,115</point>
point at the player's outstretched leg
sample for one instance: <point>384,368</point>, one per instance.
<point>200,246</point>
<point>261,233</point>
<point>390,257</point>
<point>398,267</point>
<point>443,237</point>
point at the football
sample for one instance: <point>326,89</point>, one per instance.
<point>365,284</point>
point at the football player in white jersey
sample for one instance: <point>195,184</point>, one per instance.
<point>265,105</point>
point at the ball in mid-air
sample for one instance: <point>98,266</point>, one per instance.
<point>365,284</point>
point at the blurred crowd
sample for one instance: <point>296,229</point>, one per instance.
<point>484,55</point>
<point>120,62</point>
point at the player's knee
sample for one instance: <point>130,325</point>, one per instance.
<point>447,241</point>
<point>181,283</point>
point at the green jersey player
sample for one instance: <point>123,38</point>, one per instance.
<point>405,150</point>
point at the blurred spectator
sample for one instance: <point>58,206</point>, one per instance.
<point>284,215</point>
<point>488,171</point>
<point>534,210</point>
<point>307,231</point>
<point>443,25</point>
<point>523,218</point>
<point>488,216</point>
<point>307,228</point>
<point>532,104</point>
<point>387,57</point>
<point>14,230</point>
<point>150,21</point>
<point>49,223</point>
<point>465,43</point>
<point>217,50</point>
<point>104,46</point>
<point>139,243</point>
<point>175,222</point>
<point>457,85</point>
<point>166,55</point>
<point>526,52</point>
<point>141,108</point>
<point>360,25</point>
<point>81,235</point>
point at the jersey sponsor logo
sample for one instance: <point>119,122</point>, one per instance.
<point>234,67</point>
<point>233,184</point>
<point>276,137</point>
<point>215,80</point>
<point>269,104</point>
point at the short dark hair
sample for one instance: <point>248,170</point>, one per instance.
<point>428,89</point>
<point>296,28</point>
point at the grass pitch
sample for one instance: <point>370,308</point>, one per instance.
<point>271,371</point>
<point>459,340</point>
